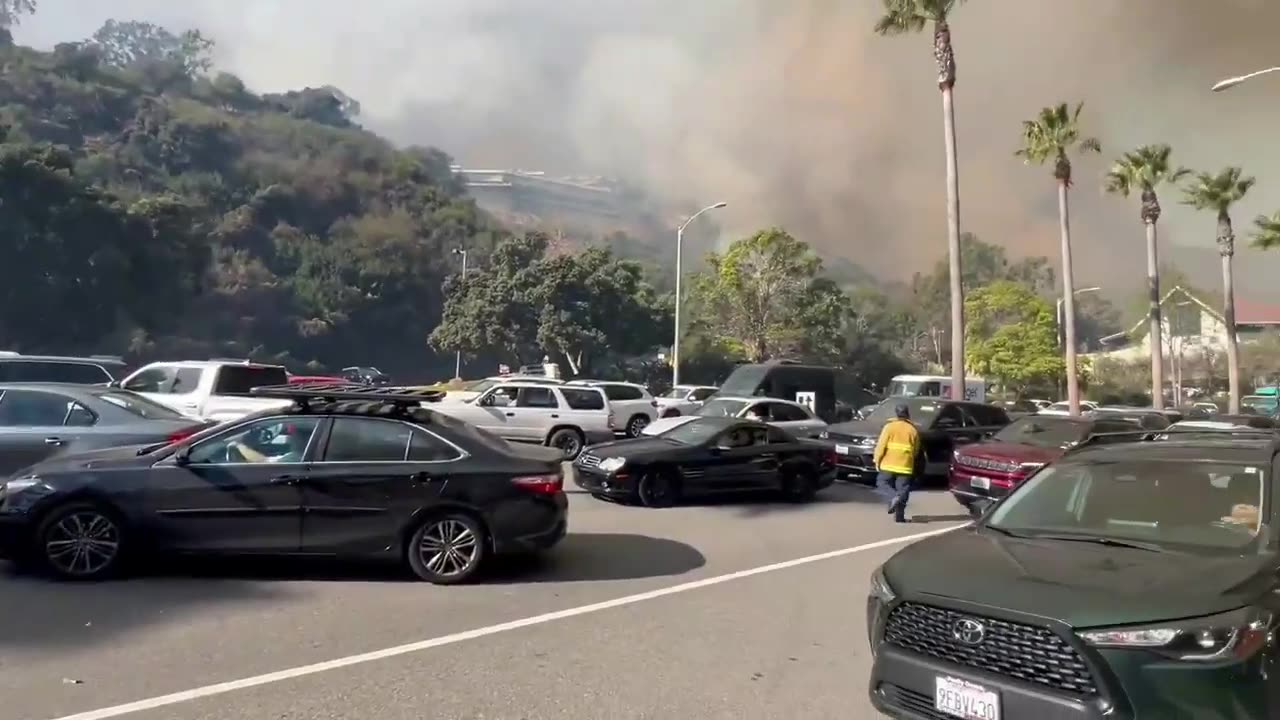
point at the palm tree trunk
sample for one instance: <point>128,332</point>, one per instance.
<point>1157,340</point>
<point>1068,302</point>
<point>1229,317</point>
<point>953,246</point>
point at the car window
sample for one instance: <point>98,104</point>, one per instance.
<point>79,416</point>
<point>742,436</point>
<point>780,412</point>
<point>989,416</point>
<point>186,380</point>
<point>240,379</point>
<point>722,408</point>
<point>140,406</point>
<point>269,440</point>
<point>501,396</point>
<point>776,436</point>
<point>622,392</point>
<point>79,373</point>
<point>537,397</point>
<point>1195,504</point>
<point>158,379</point>
<point>426,447</point>
<point>582,399</point>
<point>367,440</point>
<point>37,408</point>
<point>701,394</point>
<point>950,416</point>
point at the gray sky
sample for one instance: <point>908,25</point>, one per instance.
<point>793,112</point>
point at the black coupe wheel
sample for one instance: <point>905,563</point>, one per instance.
<point>447,549</point>
<point>636,425</point>
<point>799,485</point>
<point>658,489</point>
<point>568,441</point>
<point>81,542</point>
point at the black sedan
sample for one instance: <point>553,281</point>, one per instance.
<point>337,474</point>
<point>705,456</point>
<point>943,424</point>
<point>40,420</point>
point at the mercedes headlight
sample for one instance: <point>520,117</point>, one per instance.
<point>17,485</point>
<point>612,464</point>
<point>1237,634</point>
<point>880,588</point>
<point>824,435</point>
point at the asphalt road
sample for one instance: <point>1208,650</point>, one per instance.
<point>737,610</point>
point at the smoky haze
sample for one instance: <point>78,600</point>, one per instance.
<point>794,112</point>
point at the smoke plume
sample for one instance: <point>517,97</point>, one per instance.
<point>794,112</point>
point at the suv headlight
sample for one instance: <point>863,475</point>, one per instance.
<point>612,464</point>
<point>1236,634</point>
<point>824,435</point>
<point>880,588</point>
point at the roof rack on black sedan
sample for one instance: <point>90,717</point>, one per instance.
<point>304,392</point>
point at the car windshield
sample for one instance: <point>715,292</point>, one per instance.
<point>678,392</point>
<point>140,406</point>
<point>693,432</point>
<point>722,408</point>
<point>1043,432</point>
<point>921,412</point>
<point>1175,503</point>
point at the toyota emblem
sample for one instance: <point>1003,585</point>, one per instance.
<point>969,632</point>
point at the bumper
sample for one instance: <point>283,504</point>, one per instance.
<point>530,524</point>
<point>598,483</point>
<point>854,461</point>
<point>537,542</point>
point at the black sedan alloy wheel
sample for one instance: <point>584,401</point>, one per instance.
<point>447,549</point>
<point>658,489</point>
<point>80,542</point>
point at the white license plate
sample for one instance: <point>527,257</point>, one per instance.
<point>980,483</point>
<point>963,699</point>
<point>842,449</point>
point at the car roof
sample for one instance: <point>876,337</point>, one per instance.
<point>111,361</point>
<point>72,388</point>
<point>1202,447</point>
<point>203,364</point>
<point>725,422</point>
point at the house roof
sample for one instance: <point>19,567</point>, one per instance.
<point>1249,312</point>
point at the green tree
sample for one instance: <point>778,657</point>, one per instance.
<point>1143,171</point>
<point>1217,194</point>
<point>11,12</point>
<point>1266,234</point>
<point>1050,137</point>
<point>767,293</point>
<point>131,43</point>
<point>913,16</point>
<point>1013,336</point>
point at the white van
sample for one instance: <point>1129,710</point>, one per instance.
<point>975,389</point>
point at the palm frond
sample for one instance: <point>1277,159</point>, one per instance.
<point>901,17</point>
<point>1219,192</point>
<point>1267,234</point>
<point>1091,144</point>
<point>1055,131</point>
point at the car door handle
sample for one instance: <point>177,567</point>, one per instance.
<point>54,441</point>
<point>285,480</point>
<point>511,414</point>
<point>555,416</point>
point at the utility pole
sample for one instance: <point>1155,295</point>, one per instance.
<point>457,363</point>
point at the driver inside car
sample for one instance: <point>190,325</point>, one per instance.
<point>260,447</point>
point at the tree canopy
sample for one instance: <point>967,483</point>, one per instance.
<point>1012,336</point>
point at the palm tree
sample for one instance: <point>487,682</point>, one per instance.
<point>912,16</point>
<point>1049,137</point>
<point>1266,236</point>
<point>1143,170</point>
<point>1218,193</point>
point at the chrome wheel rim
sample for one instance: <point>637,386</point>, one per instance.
<point>82,543</point>
<point>568,444</point>
<point>449,548</point>
<point>637,426</point>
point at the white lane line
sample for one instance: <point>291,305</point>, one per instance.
<point>303,670</point>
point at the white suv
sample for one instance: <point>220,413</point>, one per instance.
<point>634,407</point>
<point>560,416</point>
<point>215,390</point>
<point>684,400</point>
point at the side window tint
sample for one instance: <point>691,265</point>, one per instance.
<point>363,440</point>
<point>30,408</point>
<point>788,413</point>
<point>80,416</point>
<point>622,392</point>
<point>186,380</point>
<point>270,440</point>
<point>152,380</point>
<point>537,397</point>
<point>582,399</point>
<point>425,447</point>
<point>949,417</point>
<point>702,394</point>
<point>71,372</point>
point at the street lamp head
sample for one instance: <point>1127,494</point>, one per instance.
<point>1227,84</point>
<point>459,251</point>
<point>719,205</point>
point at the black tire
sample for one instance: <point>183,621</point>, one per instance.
<point>569,441</point>
<point>81,541</point>
<point>637,424</point>
<point>799,485</point>
<point>447,548</point>
<point>658,489</point>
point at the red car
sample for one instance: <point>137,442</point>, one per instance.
<point>985,472</point>
<point>316,380</point>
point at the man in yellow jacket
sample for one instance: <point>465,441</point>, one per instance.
<point>895,459</point>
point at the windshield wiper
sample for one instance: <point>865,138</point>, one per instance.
<point>1101,540</point>
<point>148,449</point>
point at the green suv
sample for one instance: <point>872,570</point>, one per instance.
<point>1130,581</point>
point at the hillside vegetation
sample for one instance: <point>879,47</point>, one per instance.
<point>149,207</point>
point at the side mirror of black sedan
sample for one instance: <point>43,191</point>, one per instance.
<point>182,456</point>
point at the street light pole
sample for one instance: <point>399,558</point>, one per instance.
<point>1234,81</point>
<point>457,362</point>
<point>1062,343</point>
<point>675,344</point>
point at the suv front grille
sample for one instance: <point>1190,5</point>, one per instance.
<point>1025,652</point>
<point>588,461</point>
